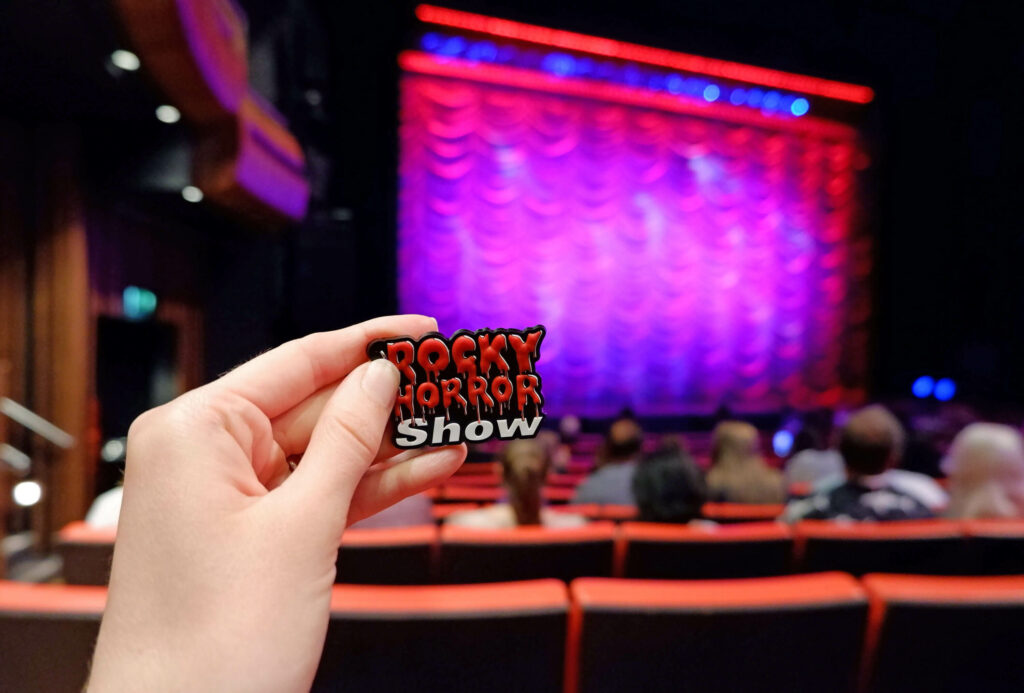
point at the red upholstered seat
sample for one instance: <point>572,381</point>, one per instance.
<point>400,556</point>
<point>485,479</point>
<point>558,494</point>
<point>936,633</point>
<point>741,512</point>
<point>995,547</point>
<point>793,633</point>
<point>924,546</point>
<point>86,553</point>
<point>47,634</point>
<point>497,637</point>
<point>441,511</point>
<point>523,553</point>
<point>471,494</point>
<point>473,468</point>
<point>753,549</point>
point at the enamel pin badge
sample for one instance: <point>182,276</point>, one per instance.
<point>470,387</point>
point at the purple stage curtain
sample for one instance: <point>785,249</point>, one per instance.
<point>678,262</point>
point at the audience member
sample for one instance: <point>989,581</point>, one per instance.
<point>612,481</point>
<point>568,433</point>
<point>986,472</point>
<point>738,472</point>
<point>669,487</point>
<point>525,465</point>
<point>870,444</point>
<point>811,460</point>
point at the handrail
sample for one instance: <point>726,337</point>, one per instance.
<point>15,459</point>
<point>35,423</point>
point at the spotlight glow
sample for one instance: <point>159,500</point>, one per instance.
<point>945,389</point>
<point>782,442</point>
<point>192,194</point>
<point>168,114</point>
<point>27,493</point>
<point>112,450</point>
<point>800,107</point>
<point>923,386</point>
<point>126,60</point>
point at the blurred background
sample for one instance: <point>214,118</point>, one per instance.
<point>774,212</point>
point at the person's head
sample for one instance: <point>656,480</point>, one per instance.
<point>871,441</point>
<point>986,472</point>
<point>623,441</point>
<point>525,465</point>
<point>734,443</point>
<point>569,429</point>
<point>668,487</point>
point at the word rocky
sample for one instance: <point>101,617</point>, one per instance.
<point>473,386</point>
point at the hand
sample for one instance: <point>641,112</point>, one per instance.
<point>224,559</point>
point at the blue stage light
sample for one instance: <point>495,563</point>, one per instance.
<point>453,46</point>
<point>712,92</point>
<point>754,97</point>
<point>633,76</point>
<point>923,386</point>
<point>559,64</point>
<point>138,303</point>
<point>738,97</point>
<point>800,107</point>
<point>430,42</point>
<point>782,442</point>
<point>945,389</point>
<point>675,84</point>
<point>483,50</point>
<point>771,100</point>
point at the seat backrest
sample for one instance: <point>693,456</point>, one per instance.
<point>753,549</point>
<point>925,546</point>
<point>495,638</point>
<point>940,633</point>
<point>741,512</point>
<point>86,553</point>
<point>471,494</point>
<point>487,479</point>
<point>995,547</point>
<point>394,556</point>
<point>793,633</point>
<point>525,553</point>
<point>617,513</point>
<point>47,634</point>
<point>558,494</point>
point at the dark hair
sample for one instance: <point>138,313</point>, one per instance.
<point>668,487</point>
<point>624,440</point>
<point>871,441</point>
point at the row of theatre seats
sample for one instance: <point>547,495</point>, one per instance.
<point>816,632</point>
<point>428,554</point>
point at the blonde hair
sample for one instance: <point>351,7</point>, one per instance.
<point>738,471</point>
<point>986,472</point>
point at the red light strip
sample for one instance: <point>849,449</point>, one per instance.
<point>642,54</point>
<point>425,63</point>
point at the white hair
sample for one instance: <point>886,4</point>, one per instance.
<point>986,470</point>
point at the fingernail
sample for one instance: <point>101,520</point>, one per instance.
<point>380,382</point>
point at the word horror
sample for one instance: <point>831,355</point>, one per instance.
<point>471,387</point>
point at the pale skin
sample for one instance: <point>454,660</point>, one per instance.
<point>224,559</point>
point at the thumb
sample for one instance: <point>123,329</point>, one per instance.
<point>344,442</point>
